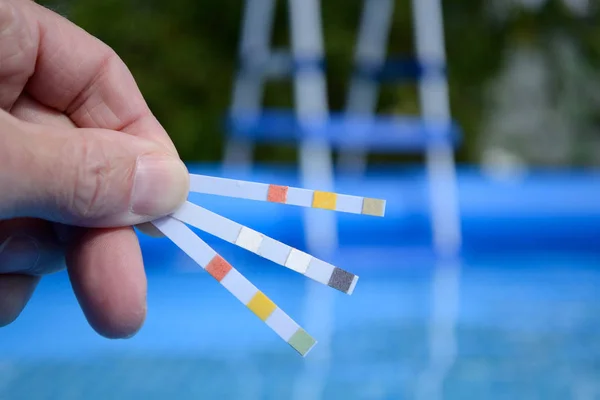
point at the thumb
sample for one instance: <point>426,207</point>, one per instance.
<point>86,177</point>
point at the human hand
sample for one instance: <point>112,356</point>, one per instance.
<point>82,160</point>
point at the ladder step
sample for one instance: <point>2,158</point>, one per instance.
<point>383,133</point>
<point>399,69</point>
<point>277,64</point>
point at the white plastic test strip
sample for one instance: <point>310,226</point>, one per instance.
<point>236,284</point>
<point>266,247</point>
<point>286,195</point>
<point>174,227</point>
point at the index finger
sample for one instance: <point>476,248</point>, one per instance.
<point>84,78</point>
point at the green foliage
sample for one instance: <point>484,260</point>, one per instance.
<point>183,56</point>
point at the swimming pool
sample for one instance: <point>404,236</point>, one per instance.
<point>514,318</point>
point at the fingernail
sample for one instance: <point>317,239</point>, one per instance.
<point>19,254</point>
<point>161,185</point>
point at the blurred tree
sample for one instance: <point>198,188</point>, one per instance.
<point>183,56</point>
<point>544,103</point>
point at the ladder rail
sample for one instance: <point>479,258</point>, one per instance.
<point>248,89</point>
<point>373,37</point>
<point>435,108</point>
<point>311,105</point>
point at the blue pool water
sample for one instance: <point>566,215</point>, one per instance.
<point>513,318</point>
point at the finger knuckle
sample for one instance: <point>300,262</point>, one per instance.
<point>17,42</point>
<point>89,195</point>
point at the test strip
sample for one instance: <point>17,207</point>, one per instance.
<point>286,195</point>
<point>236,284</point>
<point>266,247</point>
